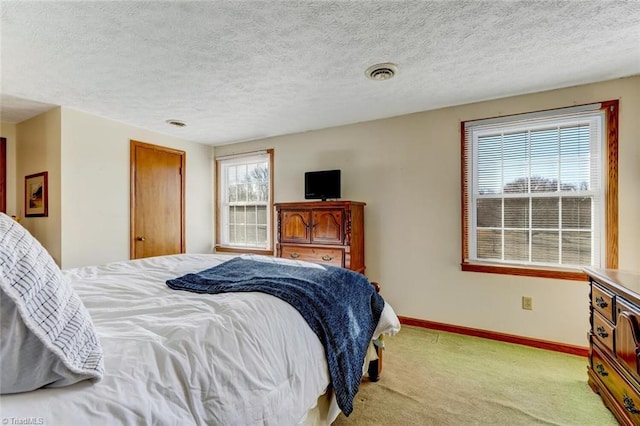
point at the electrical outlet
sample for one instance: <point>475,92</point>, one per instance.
<point>527,303</point>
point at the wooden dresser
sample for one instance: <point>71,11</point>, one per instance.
<point>614,361</point>
<point>329,232</point>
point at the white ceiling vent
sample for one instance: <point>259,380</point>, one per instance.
<point>176,123</point>
<point>383,71</point>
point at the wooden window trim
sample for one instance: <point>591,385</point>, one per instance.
<point>610,177</point>
<point>227,249</point>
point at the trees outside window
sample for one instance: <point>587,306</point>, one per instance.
<point>540,192</point>
<point>244,203</point>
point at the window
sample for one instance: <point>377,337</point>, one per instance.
<point>244,203</point>
<point>540,192</point>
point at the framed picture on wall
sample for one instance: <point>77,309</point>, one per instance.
<point>36,196</point>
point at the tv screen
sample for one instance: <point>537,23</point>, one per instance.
<point>322,185</point>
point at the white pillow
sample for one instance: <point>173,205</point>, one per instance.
<point>46,334</point>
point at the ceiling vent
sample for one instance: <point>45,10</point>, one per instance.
<point>383,71</point>
<point>176,123</point>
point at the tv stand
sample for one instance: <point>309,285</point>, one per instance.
<point>329,232</point>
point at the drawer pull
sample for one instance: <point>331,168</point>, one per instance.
<point>601,371</point>
<point>326,258</point>
<point>601,303</point>
<point>629,405</point>
<point>294,255</point>
<point>602,333</point>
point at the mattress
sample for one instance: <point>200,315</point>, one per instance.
<point>174,357</point>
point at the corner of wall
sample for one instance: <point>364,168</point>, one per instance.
<point>38,147</point>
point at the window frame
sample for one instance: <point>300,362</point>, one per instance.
<point>609,180</point>
<point>219,247</point>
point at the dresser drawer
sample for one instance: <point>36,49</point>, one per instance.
<point>622,391</point>
<point>328,256</point>
<point>603,330</point>
<point>602,301</point>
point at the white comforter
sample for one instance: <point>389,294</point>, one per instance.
<point>179,358</point>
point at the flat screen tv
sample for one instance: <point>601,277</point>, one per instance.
<point>322,185</point>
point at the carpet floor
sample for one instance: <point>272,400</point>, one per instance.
<point>437,378</point>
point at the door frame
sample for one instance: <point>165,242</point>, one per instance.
<point>3,175</point>
<point>132,185</point>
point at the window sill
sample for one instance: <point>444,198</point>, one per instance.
<point>226,249</point>
<point>526,272</point>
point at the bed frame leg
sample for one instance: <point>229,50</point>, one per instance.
<point>374,376</point>
<point>375,366</point>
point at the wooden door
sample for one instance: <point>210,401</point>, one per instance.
<point>157,200</point>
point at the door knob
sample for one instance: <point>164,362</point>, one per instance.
<point>140,238</point>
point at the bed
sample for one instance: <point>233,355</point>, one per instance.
<point>176,357</point>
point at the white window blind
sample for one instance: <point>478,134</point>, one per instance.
<point>244,201</point>
<point>534,190</point>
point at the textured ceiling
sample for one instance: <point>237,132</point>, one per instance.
<point>241,70</point>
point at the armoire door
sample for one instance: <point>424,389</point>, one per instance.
<point>295,226</point>
<point>327,226</point>
<point>157,200</point>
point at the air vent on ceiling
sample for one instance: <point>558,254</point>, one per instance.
<point>176,123</point>
<point>383,71</point>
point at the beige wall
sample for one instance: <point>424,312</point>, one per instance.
<point>95,182</point>
<point>87,158</point>
<point>407,170</point>
<point>8,131</point>
<point>38,150</point>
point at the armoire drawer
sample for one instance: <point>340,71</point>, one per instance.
<point>328,256</point>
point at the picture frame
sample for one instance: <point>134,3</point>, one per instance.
<point>36,195</point>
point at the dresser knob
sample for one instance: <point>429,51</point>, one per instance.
<point>601,303</point>
<point>294,255</point>
<point>326,258</point>
<point>601,371</point>
<point>601,332</point>
<point>629,405</point>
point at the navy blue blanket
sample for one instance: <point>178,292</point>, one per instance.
<point>340,306</point>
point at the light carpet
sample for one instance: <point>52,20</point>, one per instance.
<point>437,378</point>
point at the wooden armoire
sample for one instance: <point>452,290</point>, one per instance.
<point>326,232</point>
